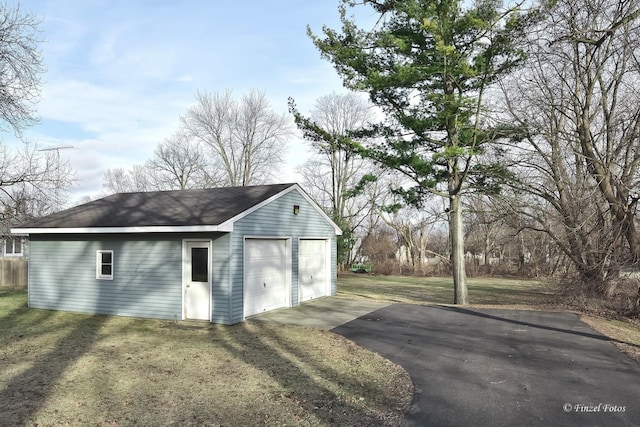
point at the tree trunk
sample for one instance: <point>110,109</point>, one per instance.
<point>460,292</point>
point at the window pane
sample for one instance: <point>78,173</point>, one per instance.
<point>199,264</point>
<point>8,247</point>
<point>104,265</point>
<point>18,246</point>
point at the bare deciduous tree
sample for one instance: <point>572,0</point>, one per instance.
<point>334,176</point>
<point>32,183</point>
<point>577,104</point>
<point>485,229</point>
<point>414,228</point>
<point>117,180</point>
<point>21,68</point>
<point>339,114</point>
<point>179,163</point>
<point>245,137</point>
<point>379,247</point>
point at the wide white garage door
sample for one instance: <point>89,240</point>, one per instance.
<point>312,269</point>
<point>266,282</point>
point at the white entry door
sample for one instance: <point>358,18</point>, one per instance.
<point>266,278</point>
<point>197,281</point>
<point>312,268</point>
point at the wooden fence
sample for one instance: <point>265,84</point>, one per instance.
<point>13,272</point>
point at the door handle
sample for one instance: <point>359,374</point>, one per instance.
<point>188,286</point>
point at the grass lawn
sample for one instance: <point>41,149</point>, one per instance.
<point>483,292</point>
<point>72,369</point>
<point>439,290</point>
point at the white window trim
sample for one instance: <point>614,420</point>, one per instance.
<point>13,252</point>
<point>99,264</point>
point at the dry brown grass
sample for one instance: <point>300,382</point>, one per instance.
<point>73,369</point>
<point>617,299</point>
<point>625,334</point>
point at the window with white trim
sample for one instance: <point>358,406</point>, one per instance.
<point>104,265</point>
<point>13,246</point>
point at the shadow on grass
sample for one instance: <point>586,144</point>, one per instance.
<point>596,336</point>
<point>26,392</point>
<point>13,301</point>
<point>265,350</point>
<point>352,385</point>
<point>18,320</point>
<point>9,291</point>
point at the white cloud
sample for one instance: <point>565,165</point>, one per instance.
<point>124,126</point>
<point>105,110</point>
<point>185,78</point>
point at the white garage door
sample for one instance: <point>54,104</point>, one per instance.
<point>312,269</point>
<point>266,282</point>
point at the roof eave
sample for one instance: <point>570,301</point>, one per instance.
<point>224,228</point>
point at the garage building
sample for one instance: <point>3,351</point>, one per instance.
<point>220,254</point>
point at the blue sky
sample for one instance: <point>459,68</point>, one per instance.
<point>120,72</point>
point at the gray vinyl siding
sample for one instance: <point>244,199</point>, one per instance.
<point>147,275</point>
<point>220,276</point>
<point>277,220</point>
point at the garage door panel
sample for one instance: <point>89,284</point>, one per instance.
<point>266,284</point>
<point>257,285</point>
<point>312,270</point>
<point>266,248</point>
<point>266,301</point>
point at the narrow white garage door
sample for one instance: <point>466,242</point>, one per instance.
<point>266,282</point>
<point>312,269</point>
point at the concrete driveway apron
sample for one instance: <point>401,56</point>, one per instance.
<point>481,367</point>
<point>322,313</point>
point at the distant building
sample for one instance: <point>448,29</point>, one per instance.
<point>13,246</point>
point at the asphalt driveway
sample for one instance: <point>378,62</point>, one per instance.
<point>503,367</point>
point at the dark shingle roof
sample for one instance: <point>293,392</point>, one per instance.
<point>211,206</point>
